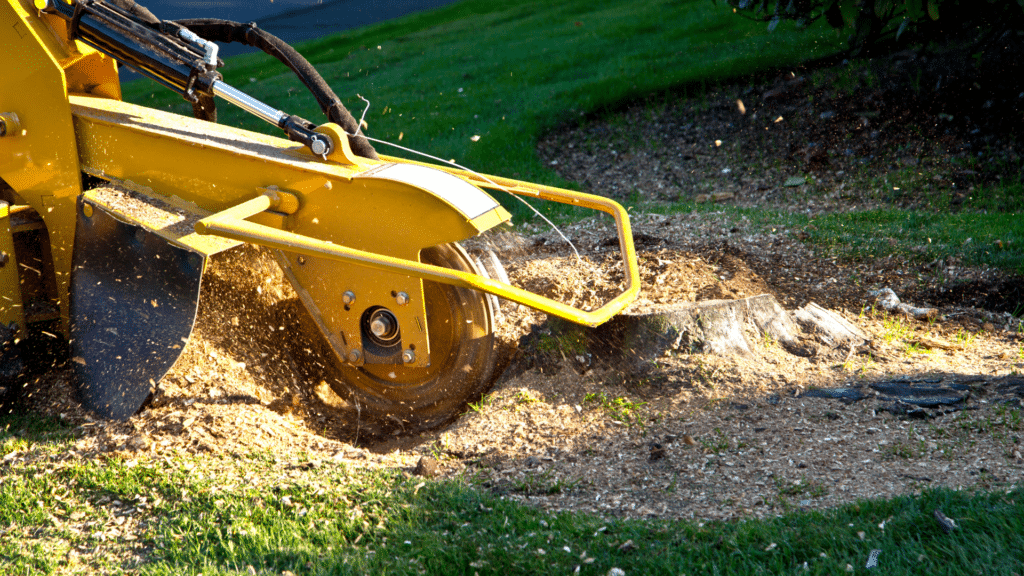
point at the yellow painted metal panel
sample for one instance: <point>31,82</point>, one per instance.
<point>171,219</point>
<point>217,168</point>
<point>41,162</point>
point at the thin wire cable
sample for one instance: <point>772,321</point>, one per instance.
<point>471,171</point>
<point>362,119</point>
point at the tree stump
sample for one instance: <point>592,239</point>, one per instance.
<point>631,341</point>
<point>830,328</point>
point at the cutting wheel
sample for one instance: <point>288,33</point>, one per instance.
<point>462,357</point>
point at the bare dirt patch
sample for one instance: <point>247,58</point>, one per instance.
<point>912,129</point>
<point>724,436</point>
<point>694,435</point>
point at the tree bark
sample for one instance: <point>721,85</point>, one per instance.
<point>630,342</point>
<point>830,328</point>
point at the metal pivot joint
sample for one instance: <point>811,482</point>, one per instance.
<point>298,129</point>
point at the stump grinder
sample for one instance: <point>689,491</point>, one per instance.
<point>110,212</point>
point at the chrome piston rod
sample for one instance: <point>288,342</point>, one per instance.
<point>318,143</point>
<point>249,104</point>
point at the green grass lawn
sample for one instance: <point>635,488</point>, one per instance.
<point>221,515</point>
<point>994,239</point>
<point>507,71</point>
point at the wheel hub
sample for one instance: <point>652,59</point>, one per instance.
<point>381,327</point>
<point>462,355</point>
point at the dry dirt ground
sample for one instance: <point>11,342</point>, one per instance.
<point>692,435</point>
<point>696,435</point>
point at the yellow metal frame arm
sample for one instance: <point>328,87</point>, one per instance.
<point>232,223</point>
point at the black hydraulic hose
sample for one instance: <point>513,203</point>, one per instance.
<point>249,34</point>
<point>168,55</point>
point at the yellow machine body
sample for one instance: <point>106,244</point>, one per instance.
<point>348,231</point>
<point>38,154</point>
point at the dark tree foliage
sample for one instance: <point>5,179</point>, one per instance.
<point>878,26</point>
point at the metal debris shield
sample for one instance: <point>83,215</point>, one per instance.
<point>133,303</point>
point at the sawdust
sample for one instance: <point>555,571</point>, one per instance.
<point>708,436</point>
<point>697,435</point>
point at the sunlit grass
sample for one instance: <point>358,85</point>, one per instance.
<point>222,514</point>
<point>507,72</point>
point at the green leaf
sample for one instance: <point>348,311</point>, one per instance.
<point>794,181</point>
<point>915,9</point>
<point>933,9</point>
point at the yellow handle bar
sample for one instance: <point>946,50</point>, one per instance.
<point>232,223</point>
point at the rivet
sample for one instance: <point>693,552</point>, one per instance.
<point>402,298</point>
<point>408,356</point>
<point>354,356</point>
